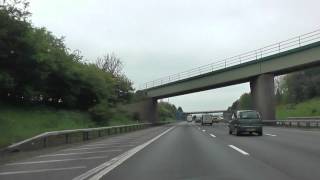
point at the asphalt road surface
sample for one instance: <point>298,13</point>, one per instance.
<point>180,151</point>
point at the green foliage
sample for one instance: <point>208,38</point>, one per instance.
<point>166,111</point>
<point>19,123</point>
<point>245,101</point>
<point>304,109</point>
<point>37,68</point>
<point>300,86</point>
<point>102,113</point>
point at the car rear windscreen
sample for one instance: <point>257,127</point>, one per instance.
<point>249,115</point>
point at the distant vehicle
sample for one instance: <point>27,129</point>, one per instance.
<point>215,119</point>
<point>207,119</point>
<point>220,118</point>
<point>197,119</point>
<point>245,121</point>
<point>189,118</point>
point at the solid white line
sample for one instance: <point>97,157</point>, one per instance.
<point>106,167</point>
<point>203,130</point>
<point>239,150</point>
<point>273,135</point>
<point>90,152</point>
<point>97,147</point>
<point>102,144</point>
<point>58,160</point>
<point>41,170</point>
<point>212,135</point>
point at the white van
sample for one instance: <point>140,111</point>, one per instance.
<point>207,119</point>
<point>189,118</point>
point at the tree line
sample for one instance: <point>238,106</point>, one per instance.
<point>36,68</point>
<point>168,111</point>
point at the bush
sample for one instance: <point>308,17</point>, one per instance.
<point>101,113</point>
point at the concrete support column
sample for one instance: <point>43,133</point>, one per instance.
<point>262,92</point>
<point>147,109</point>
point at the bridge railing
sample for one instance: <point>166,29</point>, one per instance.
<point>257,54</point>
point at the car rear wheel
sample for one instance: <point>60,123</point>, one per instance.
<point>230,132</point>
<point>237,132</point>
<point>260,133</point>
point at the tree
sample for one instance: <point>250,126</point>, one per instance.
<point>179,114</point>
<point>16,9</point>
<point>110,63</point>
<point>166,111</point>
<point>245,101</point>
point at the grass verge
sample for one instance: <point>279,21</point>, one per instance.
<point>304,109</point>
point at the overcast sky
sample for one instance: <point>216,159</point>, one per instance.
<point>156,38</point>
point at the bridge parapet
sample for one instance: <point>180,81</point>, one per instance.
<point>259,54</point>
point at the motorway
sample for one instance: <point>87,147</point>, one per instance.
<point>180,151</point>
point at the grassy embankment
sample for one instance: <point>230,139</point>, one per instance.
<point>19,123</point>
<point>303,109</point>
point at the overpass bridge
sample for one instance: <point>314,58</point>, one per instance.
<point>205,112</point>
<point>257,67</point>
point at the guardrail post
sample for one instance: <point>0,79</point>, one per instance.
<point>67,138</point>
<point>45,142</point>
<point>308,124</point>
<point>85,136</point>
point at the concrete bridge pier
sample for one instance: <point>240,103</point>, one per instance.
<point>147,110</point>
<point>262,92</point>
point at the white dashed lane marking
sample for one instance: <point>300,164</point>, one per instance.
<point>239,150</point>
<point>273,135</point>
<point>213,135</point>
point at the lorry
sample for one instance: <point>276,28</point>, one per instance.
<point>207,119</point>
<point>189,118</point>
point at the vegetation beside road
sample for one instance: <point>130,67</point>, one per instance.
<point>304,109</point>
<point>297,95</point>
<point>46,86</point>
<point>168,112</point>
<point>19,123</point>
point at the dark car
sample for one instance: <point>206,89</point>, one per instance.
<point>248,121</point>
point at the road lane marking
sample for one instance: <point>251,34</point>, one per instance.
<point>77,153</point>
<point>57,160</point>
<point>41,170</point>
<point>106,167</point>
<point>213,135</point>
<point>104,144</point>
<point>98,147</point>
<point>239,150</point>
<point>273,135</point>
<point>109,145</point>
<point>203,130</point>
